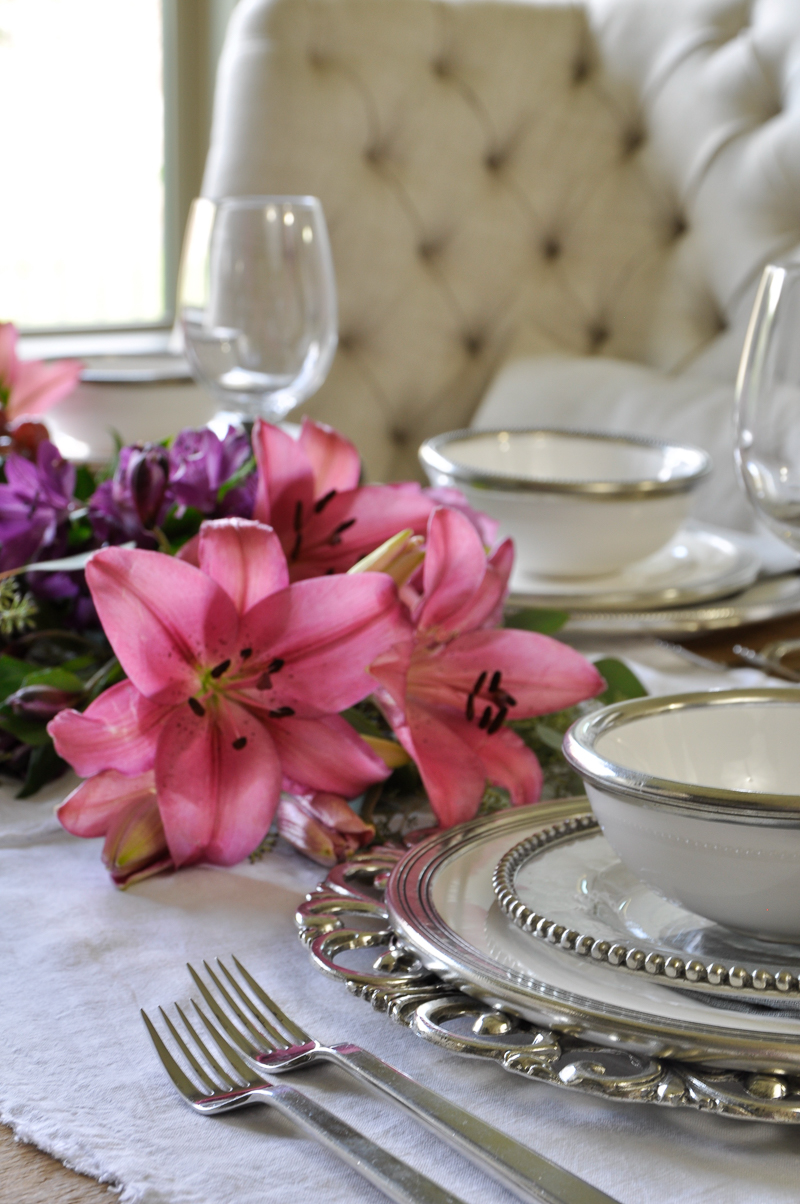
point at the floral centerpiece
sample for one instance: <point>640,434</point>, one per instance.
<point>232,637</point>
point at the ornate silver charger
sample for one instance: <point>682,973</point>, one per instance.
<point>436,953</point>
<point>565,885</point>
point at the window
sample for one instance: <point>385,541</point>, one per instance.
<point>110,106</point>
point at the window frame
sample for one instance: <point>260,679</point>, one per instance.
<point>193,32</point>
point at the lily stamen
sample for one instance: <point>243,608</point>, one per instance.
<point>221,668</point>
<point>470,707</point>
<point>497,722</point>
<point>239,742</point>
<point>494,684</point>
<point>197,707</point>
<point>276,664</point>
<point>298,517</point>
<point>281,713</point>
<point>320,505</point>
<point>486,718</point>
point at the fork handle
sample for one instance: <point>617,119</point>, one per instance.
<point>394,1178</point>
<point>524,1172</point>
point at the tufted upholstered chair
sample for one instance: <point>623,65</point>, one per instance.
<point>584,194</point>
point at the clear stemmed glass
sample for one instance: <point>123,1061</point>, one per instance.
<point>257,302</point>
<point>768,404</point>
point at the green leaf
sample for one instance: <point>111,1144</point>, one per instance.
<point>79,533</point>
<point>29,731</point>
<point>549,736</point>
<point>58,677</point>
<point>621,682</point>
<point>179,531</point>
<point>12,674</point>
<point>362,723</point>
<point>240,475</point>
<point>44,765</point>
<point>536,619</point>
<point>85,483</point>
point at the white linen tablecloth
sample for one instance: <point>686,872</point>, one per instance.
<point>79,1078</point>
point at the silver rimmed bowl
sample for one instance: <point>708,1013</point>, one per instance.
<point>699,796</point>
<point>576,503</point>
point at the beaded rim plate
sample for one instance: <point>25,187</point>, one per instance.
<point>661,962</point>
<point>345,917</point>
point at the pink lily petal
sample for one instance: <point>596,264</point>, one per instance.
<point>509,762</point>
<point>485,608</point>
<point>444,495</point>
<point>90,809</point>
<point>119,730</point>
<point>39,386</point>
<point>216,795</point>
<point>451,770</point>
<point>326,754</point>
<point>334,628</point>
<point>462,590</point>
<point>8,353</point>
<point>162,617</point>
<point>334,460</point>
<point>285,478</point>
<point>453,572</point>
<point>245,558</point>
<point>190,552</point>
<point>541,674</point>
<point>369,515</point>
<point>323,827</point>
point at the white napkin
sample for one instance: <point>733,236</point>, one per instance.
<point>78,1076</point>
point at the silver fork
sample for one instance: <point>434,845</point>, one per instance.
<point>236,1087</point>
<point>524,1172</point>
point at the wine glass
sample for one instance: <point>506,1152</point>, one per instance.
<point>257,302</point>
<point>768,404</point>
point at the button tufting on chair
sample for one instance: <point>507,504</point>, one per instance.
<point>658,141</point>
<point>551,247</point>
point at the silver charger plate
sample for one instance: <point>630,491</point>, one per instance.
<point>479,1002</point>
<point>698,564</point>
<point>571,890</point>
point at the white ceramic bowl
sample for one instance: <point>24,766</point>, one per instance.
<point>576,504</point>
<point>699,795</point>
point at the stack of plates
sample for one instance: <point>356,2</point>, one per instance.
<point>533,912</point>
<point>702,580</point>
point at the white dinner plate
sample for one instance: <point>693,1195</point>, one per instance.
<point>441,902</point>
<point>698,564</point>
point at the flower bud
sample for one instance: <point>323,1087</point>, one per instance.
<point>146,478</point>
<point>399,557</point>
<point>323,826</point>
<point>135,845</point>
<point>41,701</point>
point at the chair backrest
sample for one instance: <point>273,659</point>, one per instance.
<point>503,177</point>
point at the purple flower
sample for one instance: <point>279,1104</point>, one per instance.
<point>34,504</point>
<point>200,463</point>
<point>136,499</point>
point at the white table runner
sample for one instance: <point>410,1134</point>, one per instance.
<point>79,1078</point>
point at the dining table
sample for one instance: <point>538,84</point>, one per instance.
<point>85,1106</point>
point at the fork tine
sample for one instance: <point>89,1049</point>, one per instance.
<point>225,1020</point>
<point>187,1088</point>
<point>224,1076</point>
<point>228,1050</point>
<point>294,1030</point>
<point>277,1038</point>
<point>280,1039</point>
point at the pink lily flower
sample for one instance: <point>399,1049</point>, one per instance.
<point>448,691</point>
<point>235,681</point>
<point>30,386</point>
<point>308,491</point>
<point>125,811</point>
<point>323,826</point>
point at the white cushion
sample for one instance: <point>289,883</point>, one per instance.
<point>610,395</point>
